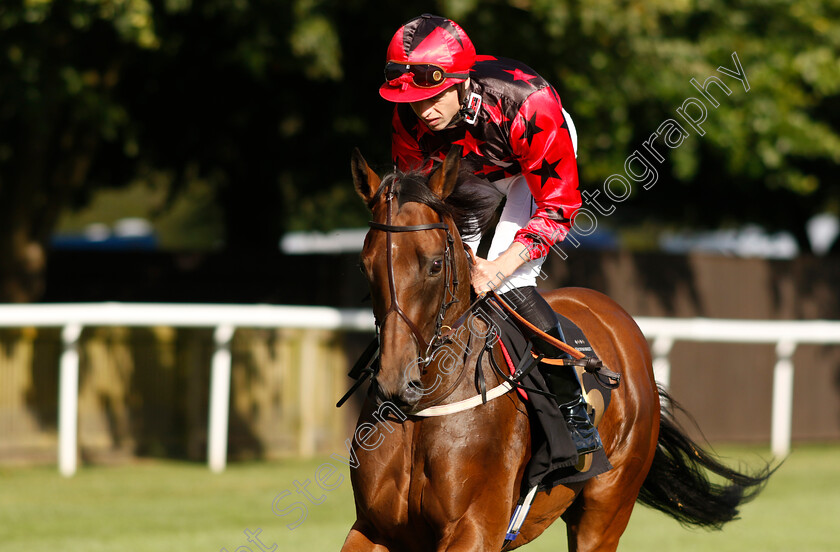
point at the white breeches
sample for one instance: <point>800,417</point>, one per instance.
<point>518,210</point>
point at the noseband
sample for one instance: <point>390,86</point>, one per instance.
<point>449,295</point>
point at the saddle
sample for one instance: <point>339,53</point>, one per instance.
<point>553,458</point>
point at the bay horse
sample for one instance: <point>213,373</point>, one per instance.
<point>451,483</point>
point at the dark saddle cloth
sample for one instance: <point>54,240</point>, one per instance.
<point>554,459</point>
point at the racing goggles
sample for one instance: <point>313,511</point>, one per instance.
<point>424,75</point>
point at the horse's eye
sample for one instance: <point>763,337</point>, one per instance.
<point>437,266</point>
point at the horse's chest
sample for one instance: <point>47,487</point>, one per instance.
<point>438,473</point>
<point>428,473</point>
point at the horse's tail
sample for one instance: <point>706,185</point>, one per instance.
<point>678,482</point>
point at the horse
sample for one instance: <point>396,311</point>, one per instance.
<point>451,483</point>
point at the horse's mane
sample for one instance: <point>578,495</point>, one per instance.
<point>471,205</point>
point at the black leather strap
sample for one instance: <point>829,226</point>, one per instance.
<point>415,228</point>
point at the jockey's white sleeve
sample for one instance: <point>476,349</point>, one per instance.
<point>572,129</point>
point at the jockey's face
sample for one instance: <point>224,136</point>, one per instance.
<point>438,111</point>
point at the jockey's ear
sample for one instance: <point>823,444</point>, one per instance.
<point>365,180</point>
<point>443,180</point>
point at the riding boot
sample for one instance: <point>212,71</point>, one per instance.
<point>566,386</point>
<point>562,380</point>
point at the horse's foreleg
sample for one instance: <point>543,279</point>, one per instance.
<point>358,541</point>
<point>472,536</point>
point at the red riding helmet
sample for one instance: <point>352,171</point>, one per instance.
<point>426,56</point>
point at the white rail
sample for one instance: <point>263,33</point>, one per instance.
<point>226,318</point>
<point>785,334</point>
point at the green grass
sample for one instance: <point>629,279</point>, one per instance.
<point>162,506</point>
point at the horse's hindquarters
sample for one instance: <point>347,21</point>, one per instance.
<point>599,515</point>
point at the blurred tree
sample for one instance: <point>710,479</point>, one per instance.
<point>264,99</point>
<point>769,155</point>
<point>61,62</point>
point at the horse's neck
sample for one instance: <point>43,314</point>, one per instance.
<point>462,364</point>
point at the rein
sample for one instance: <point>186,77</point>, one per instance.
<point>440,337</point>
<point>544,336</point>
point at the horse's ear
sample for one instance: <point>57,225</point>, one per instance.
<point>443,180</point>
<point>365,180</point>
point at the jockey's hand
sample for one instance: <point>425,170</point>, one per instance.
<point>484,276</point>
<point>487,275</point>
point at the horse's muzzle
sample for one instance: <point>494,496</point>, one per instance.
<point>406,399</point>
<point>412,394</point>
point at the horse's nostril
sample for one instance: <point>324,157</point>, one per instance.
<point>412,393</point>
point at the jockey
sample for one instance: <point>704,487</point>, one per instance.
<point>515,135</point>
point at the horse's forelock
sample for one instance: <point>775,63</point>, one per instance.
<point>471,205</point>
<point>411,187</point>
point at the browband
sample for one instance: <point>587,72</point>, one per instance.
<point>415,228</point>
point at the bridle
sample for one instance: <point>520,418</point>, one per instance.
<point>440,336</point>
<point>450,276</point>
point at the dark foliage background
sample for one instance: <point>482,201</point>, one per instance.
<point>262,101</point>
